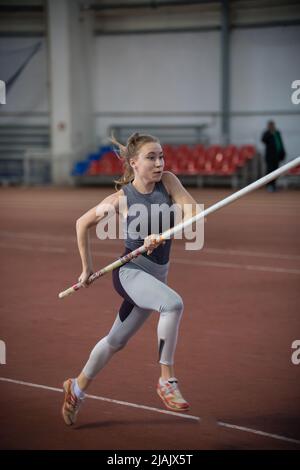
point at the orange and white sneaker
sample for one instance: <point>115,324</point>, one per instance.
<point>71,403</point>
<point>171,396</point>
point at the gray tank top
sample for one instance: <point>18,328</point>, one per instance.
<point>147,214</point>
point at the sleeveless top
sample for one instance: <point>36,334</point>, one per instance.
<point>148,214</point>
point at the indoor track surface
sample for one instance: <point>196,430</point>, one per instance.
<point>233,359</point>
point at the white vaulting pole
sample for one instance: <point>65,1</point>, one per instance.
<point>233,197</point>
<point>172,231</point>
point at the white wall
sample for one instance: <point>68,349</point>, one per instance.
<point>179,73</point>
<point>164,72</point>
<point>29,92</point>
<point>161,73</point>
<point>264,63</point>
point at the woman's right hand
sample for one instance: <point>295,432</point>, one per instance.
<point>153,241</point>
<point>83,278</point>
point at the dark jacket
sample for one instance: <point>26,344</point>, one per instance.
<point>273,152</point>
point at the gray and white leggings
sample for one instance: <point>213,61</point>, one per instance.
<point>142,284</point>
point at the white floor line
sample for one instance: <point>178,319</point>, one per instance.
<point>157,410</point>
<point>260,433</point>
<point>145,407</point>
<point>191,263</point>
<point>110,400</point>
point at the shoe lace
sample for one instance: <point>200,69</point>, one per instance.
<point>171,387</point>
<point>73,401</point>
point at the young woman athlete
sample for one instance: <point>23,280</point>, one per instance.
<point>143,281</point>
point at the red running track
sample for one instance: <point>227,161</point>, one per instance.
<point>241,295</point>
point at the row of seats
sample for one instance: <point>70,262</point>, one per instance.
<point>213,160</point>
<point>182,159</point>
<point>109,164</point>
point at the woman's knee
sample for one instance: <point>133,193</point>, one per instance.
<point>116,343</point>
<point>174,304</point>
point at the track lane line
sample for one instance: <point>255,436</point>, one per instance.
<point>157,410</point>
<point>109,400</point>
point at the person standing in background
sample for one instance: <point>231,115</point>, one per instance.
<point>274,153</point>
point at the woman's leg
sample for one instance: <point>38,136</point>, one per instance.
<point>167,371</point>
<point>129,319</point>
<point>147,292</point>
<point>143,293</point>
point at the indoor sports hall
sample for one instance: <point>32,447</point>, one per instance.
<point>218,84</point>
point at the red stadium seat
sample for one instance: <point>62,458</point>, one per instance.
<point>208,168</point>
<point>168,157</point>
<point>117,165</point>
<point>229,151</point>
<point>227,169</point>
<point>191,168</point>
<point>212,151</point>
<point>183,158</point>
<point>106,166</point>
<point>109,165</point>
<point>174,165</point>
<point>237,159</point>
<point>182,164</point>
<point>218,160</point>
<point>200,163</point>
<point>167,148</point>
<point>168,165</point>
<point>247,152</point>
<point>93,168</point>
<point>183,151</point>
<point>197,151</point>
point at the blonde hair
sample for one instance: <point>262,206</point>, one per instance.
<point>125,153</point>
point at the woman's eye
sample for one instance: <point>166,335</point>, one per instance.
<point>150,157</point>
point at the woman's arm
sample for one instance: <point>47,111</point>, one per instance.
<point>180,195</point>
<point>184,200</point>
<point>84,223</point>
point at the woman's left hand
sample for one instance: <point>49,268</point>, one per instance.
<point>153,241</point>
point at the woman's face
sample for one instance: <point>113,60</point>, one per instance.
<point>149,162</point>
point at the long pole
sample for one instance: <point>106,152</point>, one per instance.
<point>171,232</point>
